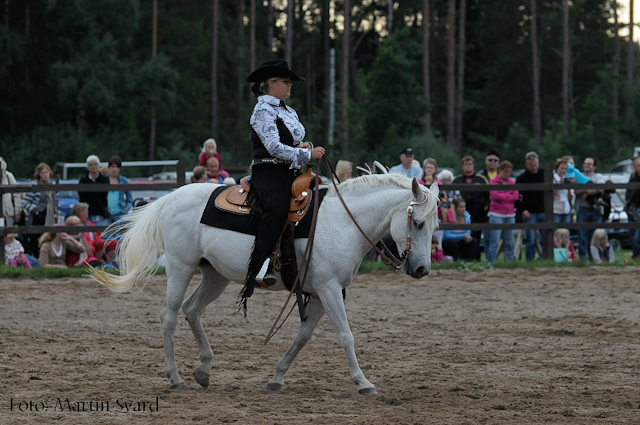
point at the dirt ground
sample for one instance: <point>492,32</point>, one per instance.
<point>557,346</point>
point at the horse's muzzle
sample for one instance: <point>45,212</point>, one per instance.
<point>417,272</point>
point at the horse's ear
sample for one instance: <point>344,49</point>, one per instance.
<point>418,194</point>
<point>435,190</point>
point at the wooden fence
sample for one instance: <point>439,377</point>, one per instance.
<point>547,187</point>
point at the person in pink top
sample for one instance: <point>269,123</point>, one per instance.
<point>502,210</point>
<point>209,150</point>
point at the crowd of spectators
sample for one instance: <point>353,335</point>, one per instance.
<point>588,205</point>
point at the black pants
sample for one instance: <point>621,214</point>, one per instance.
<point>272,186</point>
<point>459,249</point>
<point>31,241</point>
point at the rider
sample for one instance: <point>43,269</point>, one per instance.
<point>278,152</point>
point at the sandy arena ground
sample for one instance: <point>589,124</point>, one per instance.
<point>558,346</point>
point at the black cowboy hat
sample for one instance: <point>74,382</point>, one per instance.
<point>275,68</point>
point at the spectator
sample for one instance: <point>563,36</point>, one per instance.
<point>14,252</point>
<point>502,210</point>
<point>632,207</point>
<point>40,207</point>
<point>561,197</point>
<point>477,202</point>
<point>81,210</point>
<point>588,206</point>
<point>54,248</point>
<point>199,174</point>
<point>459,243</point>
<point>573,172</point>
<point>491,165</point>
<point>98,205</point>
<point>214,174</point>
<point>120,202</point>
<point>406,167</point>
<point>429,172</point>
<point>600,250</point>
<point>74,259</point>
<point>209,150</point>
<point>532,202</point>
<point>344,170</point>
<point>437,254</point>
<point>11,202</point>
<point>562,247</point>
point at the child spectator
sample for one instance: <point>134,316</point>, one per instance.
<point>437,254</point>
<point>209,149</point>
<point>74,259</point>
<point>199,174</point>
<point>14,252</point>
<point>600,250</point>
<point>562,247</point>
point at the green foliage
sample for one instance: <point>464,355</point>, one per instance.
<point>82,81</point>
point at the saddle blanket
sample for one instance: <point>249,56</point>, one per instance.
<point>212,216</point>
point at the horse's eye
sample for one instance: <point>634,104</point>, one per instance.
<point>418,224</point>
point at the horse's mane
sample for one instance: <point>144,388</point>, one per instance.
<point>371,181</point>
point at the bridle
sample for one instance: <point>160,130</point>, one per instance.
<point>389,258</point>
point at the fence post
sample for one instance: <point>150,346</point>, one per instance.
<point>180,170</point>
<point>4,224</point>
<point>548,211</point>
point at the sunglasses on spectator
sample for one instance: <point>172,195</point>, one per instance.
<point>492,159</point>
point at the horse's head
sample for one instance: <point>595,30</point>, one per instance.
<point>412,227</point>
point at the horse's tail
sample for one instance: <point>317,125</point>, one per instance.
<point>138,249</point>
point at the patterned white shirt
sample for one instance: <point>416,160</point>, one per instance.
<point>263,120</point>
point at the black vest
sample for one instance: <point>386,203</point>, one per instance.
<point>258,151</point>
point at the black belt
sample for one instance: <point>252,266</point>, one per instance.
<point>273,161</point>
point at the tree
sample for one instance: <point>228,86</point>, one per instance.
<point>460,89</point>
<point>451,78</point>
<point>344,78</point>
<point>535,67</point>
<point>615,108</point>
<point>426,13</point>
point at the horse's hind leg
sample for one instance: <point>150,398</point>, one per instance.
<point>210,288</point>
<point>178,278</point>
<point>314,312</point>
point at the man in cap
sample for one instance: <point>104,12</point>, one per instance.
<point>406,167</point>
<point>491,162</point>
<point>532,202</point>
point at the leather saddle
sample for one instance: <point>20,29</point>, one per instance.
<point>234,198</point>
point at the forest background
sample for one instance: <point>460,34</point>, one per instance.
<point>153,79</point>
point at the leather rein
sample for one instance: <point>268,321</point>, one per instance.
<point>389,258</point>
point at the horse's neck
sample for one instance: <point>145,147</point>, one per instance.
<point>373,209</point>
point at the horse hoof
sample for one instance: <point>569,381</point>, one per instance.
<point>274,386</point>
<point>177,386</point>
<point>201,378</point>
<point>367,391</point>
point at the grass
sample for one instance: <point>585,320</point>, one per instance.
<point>623,259</point>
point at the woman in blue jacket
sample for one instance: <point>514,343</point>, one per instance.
<point>459,243</point>
<point>119,201</point>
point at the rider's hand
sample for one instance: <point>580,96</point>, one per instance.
<point>317,153</point>
<point>305,145</point>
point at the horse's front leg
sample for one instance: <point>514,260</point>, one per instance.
<point>314,312</point>
<point>333,303</point>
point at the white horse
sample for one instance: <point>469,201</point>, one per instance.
<point>378,202</point>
